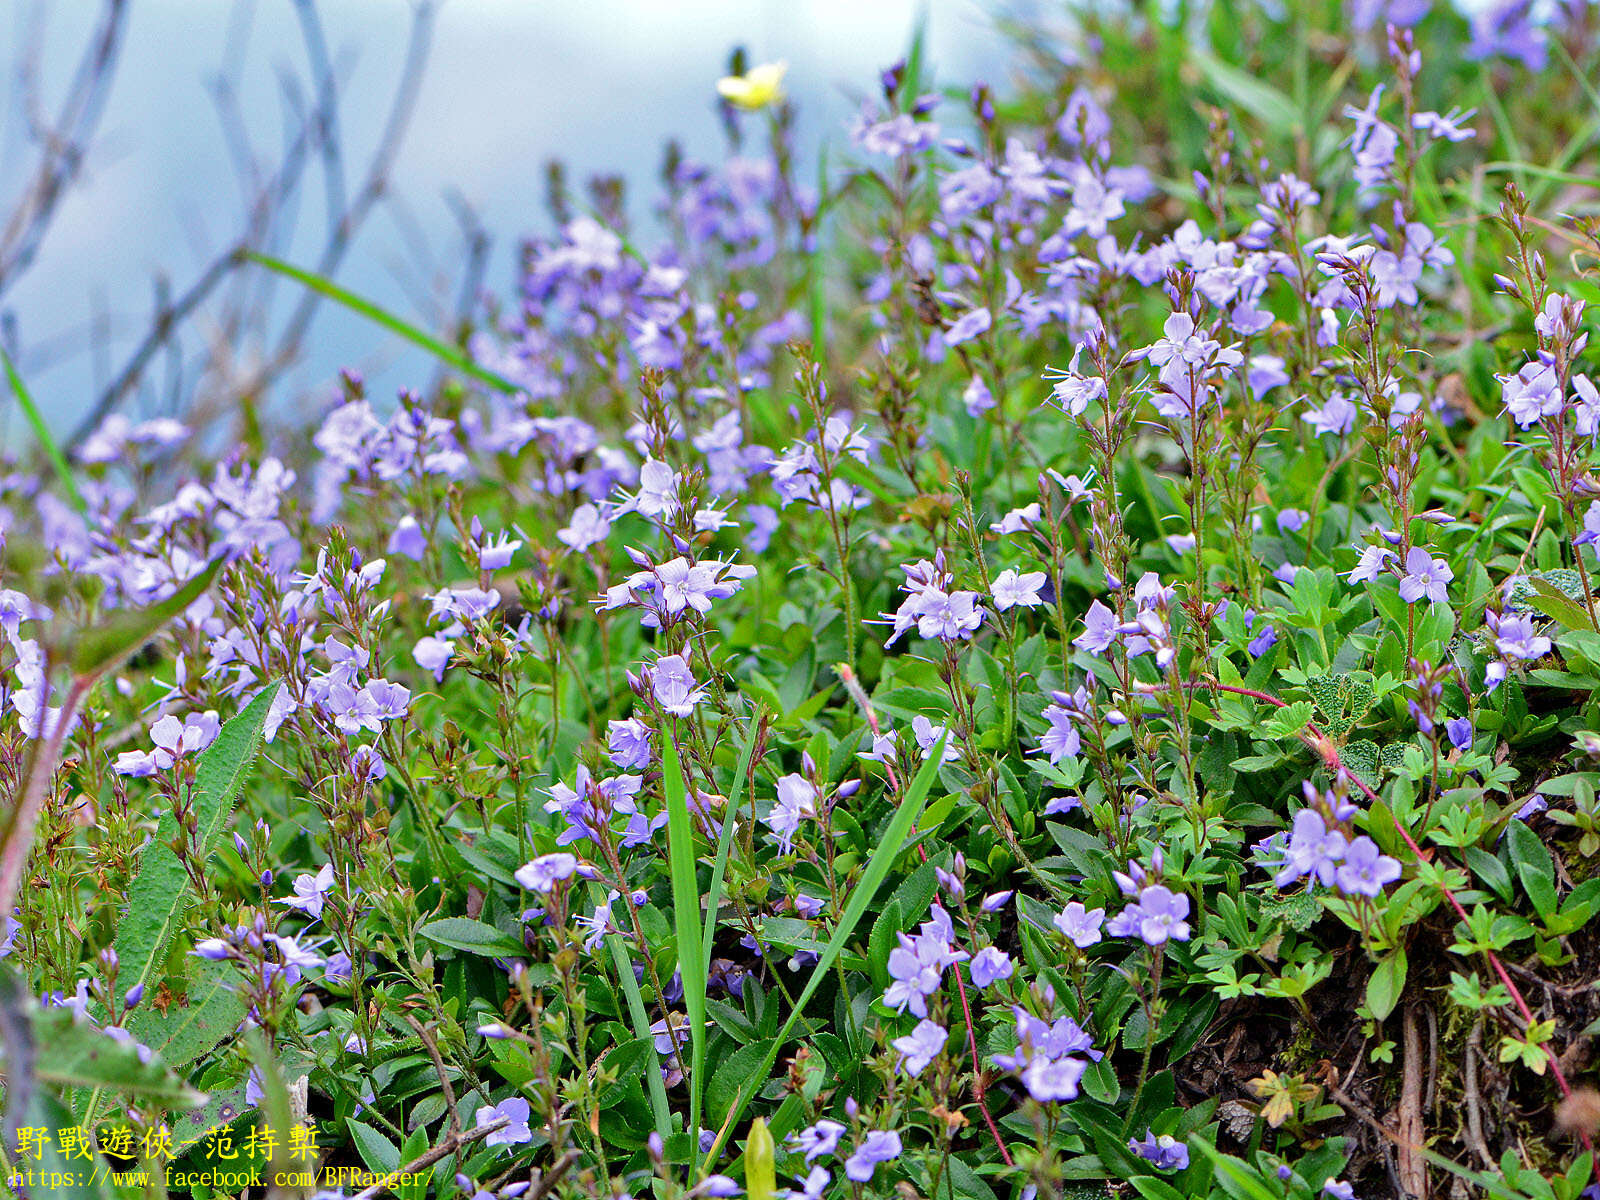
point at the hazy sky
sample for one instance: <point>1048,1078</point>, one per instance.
<point>601,83</point>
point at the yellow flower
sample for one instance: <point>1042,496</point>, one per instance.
<point>756,88</point>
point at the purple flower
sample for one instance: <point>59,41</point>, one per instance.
<point>1515,636</point>
<point>989,965</point>
<point>879,1146</point>
<point>819,1139</point>
<point>920,1047</point>
<point>1164,1153</point>
<point>1532,393</point>
<point>1339,1189</point>
<point>588,526</point>
<point>1162,914</point>
<point>432,654</point>
<point>543,873</point>
<point>1338,416</point>
<point>629,743</point>
<point>813,1186</point>
<point>1099,629</point>
<point>1365,870</point>
<point>1313,849</point>
<point>408,539</point>
<point>1081,925</point>
<point>1371,564</point>
<point>1459,731</point>
<point>917,965</point>
<point>515,1111</point>
<point>1053,1079</point>
<point>1062,739</point>
<point>673,686</point>
<point>1011,589</point>
<point>1425,576</point>
<point>797,799</point>
<point>310,891</point>
<point>968,326</point>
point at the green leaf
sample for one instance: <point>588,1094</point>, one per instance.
<point>692,966</point>
<point>474,937</point>
<point>725,842</point>
<point>1533,866</point>
<point>1553,603</point>
<point>1388,981</point>
<point>417,337</point>
<point>41,432</point>
<point>378,1152</point>
<point>160,891</point>
<point>641,1029</point>
<point>101,648</point>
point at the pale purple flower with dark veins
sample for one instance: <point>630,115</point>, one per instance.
<point>174,739</point>
<point>797,799</point>
<point>879,1146</point>
<point>1313,849</point>
<point>1080,925</point>
<point>1162,914</point>
<point>927,736</point>
<point>1337,416</point>
<point>311,890</point>
<point>1053,1079</point>
<point>1099,629</point>
<point>819,1139</point>
<point>968,326</point>
<point>1515,636</point>
<point>1164,1153</point>
<point>1011,589</point>
<point>917,965</point>
<point>1532,393</point>
<point>1371,564</point>
<point>514,1110</point>
<point>990,965</point>
<point>673,686</point>
<point>629,743</point>
<point>543,873</point>
<point>920,1047</point>
<point>1425,576</point>
<point>1459,731</point>
<point>587,527</point>
<point>1365,869</point>
<point>1062,739</point>
<point>658,489</point>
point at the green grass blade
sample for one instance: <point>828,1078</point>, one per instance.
<point>878,864</point>
<point>42,432</point>
<point>380,316</point>
<point>160,891</point>
<point>692,966</point>
<point>725,842</point>
<point>641,1028</point>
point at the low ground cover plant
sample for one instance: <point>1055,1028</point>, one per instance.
<point>1055,658</point>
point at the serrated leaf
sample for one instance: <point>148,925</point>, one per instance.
<point>77,1055</point>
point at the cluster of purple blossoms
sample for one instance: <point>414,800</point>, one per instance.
<point>934,611</point>
<point>1051,1057</point>
<point>918,964</point>
<point>1319,847</point>
<point>1516,639</point>
<point>667,592</point>
<point>174,740</point>
<point>877,1146</point>
<point>1164,1152</point>
<point>589,805</point>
